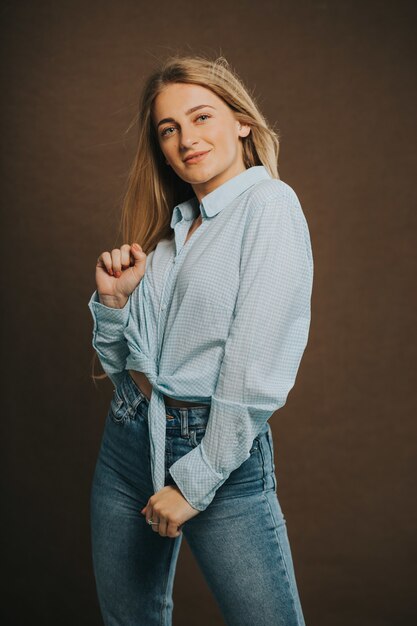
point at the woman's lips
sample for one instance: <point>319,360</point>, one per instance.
<point>198,158</point>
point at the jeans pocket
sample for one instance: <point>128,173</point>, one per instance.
<point>119,407</point>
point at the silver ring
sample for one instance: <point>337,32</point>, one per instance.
<point>151,522</point>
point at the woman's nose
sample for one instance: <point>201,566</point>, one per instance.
<point>188,138</point>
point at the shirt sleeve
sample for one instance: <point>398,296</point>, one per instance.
<point>108,336</point>
<point>267,338</point>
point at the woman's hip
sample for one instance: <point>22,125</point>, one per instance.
<point>125,446</point>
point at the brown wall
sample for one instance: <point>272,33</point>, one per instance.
<point>338,81</point>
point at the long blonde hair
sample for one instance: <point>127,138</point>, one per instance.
<point>152,187</point>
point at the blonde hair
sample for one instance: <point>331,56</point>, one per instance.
<point>152,187</point>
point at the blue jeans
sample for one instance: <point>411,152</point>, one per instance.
<point>239,541</point>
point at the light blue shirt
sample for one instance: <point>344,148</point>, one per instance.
<point>222,319</point>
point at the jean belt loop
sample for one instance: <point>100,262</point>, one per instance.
<point>184,422</point>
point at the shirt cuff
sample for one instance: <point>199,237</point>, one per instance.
<point>108,321</point>
<point>196,479</point>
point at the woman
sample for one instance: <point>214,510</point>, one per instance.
<point>201,327</point>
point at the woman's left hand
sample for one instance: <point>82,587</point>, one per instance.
<point>168,507</point>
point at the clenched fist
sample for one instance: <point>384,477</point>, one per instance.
<point>118,273</point>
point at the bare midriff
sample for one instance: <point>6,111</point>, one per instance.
<point>141,379</point>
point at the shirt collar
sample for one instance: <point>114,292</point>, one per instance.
<point>219,198</point>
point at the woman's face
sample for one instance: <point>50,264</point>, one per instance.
<point>211,128</point>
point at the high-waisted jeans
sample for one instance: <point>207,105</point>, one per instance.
<point>239,541</point>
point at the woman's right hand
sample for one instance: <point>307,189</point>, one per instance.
<point>118,273</point>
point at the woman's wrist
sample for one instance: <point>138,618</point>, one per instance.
<point>115,302</point>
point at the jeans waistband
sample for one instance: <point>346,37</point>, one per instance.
<point>177,417</point>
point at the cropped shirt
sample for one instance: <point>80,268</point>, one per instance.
<point>222,319</point>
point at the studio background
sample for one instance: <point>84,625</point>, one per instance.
<point>337,79</point>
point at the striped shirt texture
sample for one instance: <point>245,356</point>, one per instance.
<point>222,319</point>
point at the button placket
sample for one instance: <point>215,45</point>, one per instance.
<point>166,290</point>
<point>167,285</point>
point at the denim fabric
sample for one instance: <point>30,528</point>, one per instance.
<point>239,541</point>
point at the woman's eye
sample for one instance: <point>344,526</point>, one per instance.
<point>164,132</point>
<point>165,129</point>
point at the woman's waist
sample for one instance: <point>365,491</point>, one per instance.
<point>142,382</point>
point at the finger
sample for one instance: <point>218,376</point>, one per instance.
<point>173,530</point>
<point>125,255</point>
<point>117,266</point>
<point>162,528</point>
<point>139,258</point>
<point>104,260</point>
<point>150,515</point>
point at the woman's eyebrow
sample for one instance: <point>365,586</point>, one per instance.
<point>199,106</point>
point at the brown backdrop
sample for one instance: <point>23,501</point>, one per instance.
<point>338,81</point>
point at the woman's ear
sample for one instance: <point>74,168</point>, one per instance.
<point>244,130</point>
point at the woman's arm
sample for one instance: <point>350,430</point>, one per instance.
<point>267,338</point>
<point>117,278</point>
<point>108,336</point>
